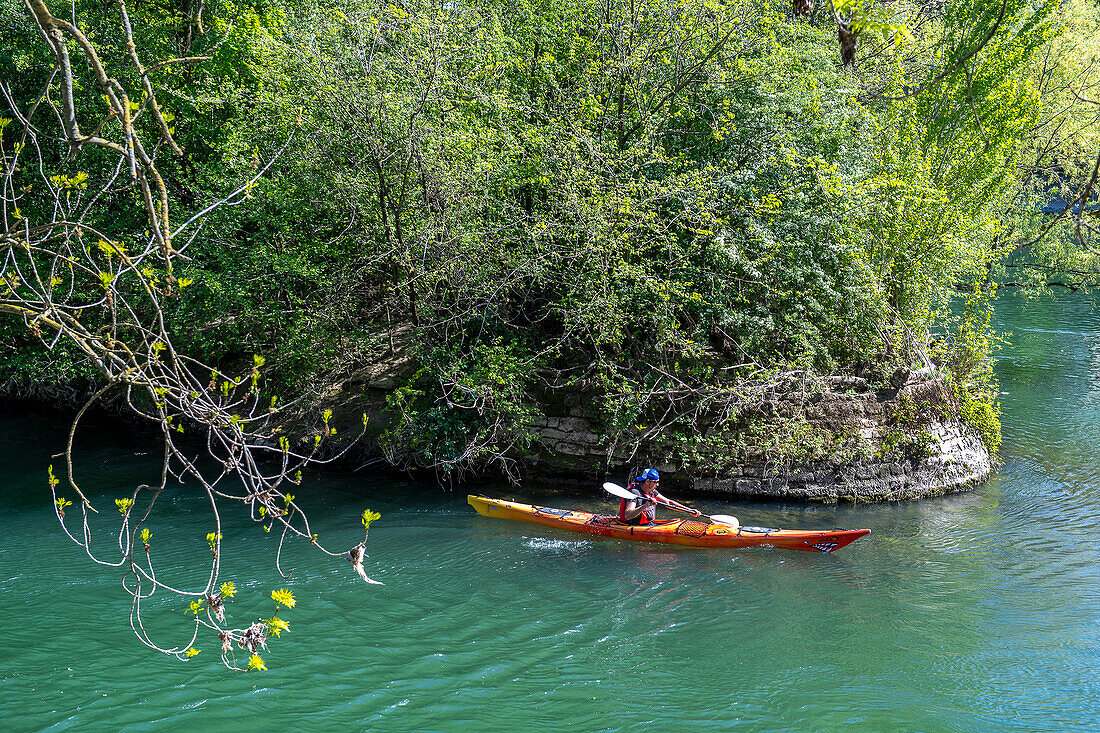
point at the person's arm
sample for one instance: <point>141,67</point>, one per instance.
<point>635,506</point>
<point>632,510</point>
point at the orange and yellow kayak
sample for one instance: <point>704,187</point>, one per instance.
<point>691,532</point>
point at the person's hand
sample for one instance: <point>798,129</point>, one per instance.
<point>696,513</point>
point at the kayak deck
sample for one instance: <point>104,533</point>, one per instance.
<point>689,532</point>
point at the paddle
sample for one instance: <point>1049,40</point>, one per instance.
<point>624,494</point>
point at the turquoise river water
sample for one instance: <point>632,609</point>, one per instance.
<point>972,612</point>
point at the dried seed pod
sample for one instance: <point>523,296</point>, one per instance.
<point>355,557</point>
<point>217,605</point>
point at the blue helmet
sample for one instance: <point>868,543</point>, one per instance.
<point>650,474</point>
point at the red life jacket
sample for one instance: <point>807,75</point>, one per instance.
<point>642,518</point>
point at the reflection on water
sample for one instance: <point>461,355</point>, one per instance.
<point>973,612</point>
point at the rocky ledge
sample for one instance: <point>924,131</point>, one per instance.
<point>956,459</point>
<point>855,442</point>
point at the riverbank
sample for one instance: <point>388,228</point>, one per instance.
<point>804,438</point>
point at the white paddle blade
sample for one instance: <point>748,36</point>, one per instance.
<point>726,519</point>
<point>618,491</point>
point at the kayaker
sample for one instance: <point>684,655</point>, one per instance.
<point>643,510</point>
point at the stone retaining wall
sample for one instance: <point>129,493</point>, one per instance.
<point>957,460</point>
<point>904,442</point>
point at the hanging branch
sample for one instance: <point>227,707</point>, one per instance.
<point>65,279</point>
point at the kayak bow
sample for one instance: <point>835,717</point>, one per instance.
<point>690,532</point>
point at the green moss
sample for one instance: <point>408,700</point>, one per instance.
<point>983,413</point>
<point>889,443</point>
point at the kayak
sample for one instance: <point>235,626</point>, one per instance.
<point>690,532</point>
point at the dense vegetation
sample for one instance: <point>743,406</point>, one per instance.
<point>664,205</point>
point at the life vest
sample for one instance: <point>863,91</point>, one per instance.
<point>642,518</point>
